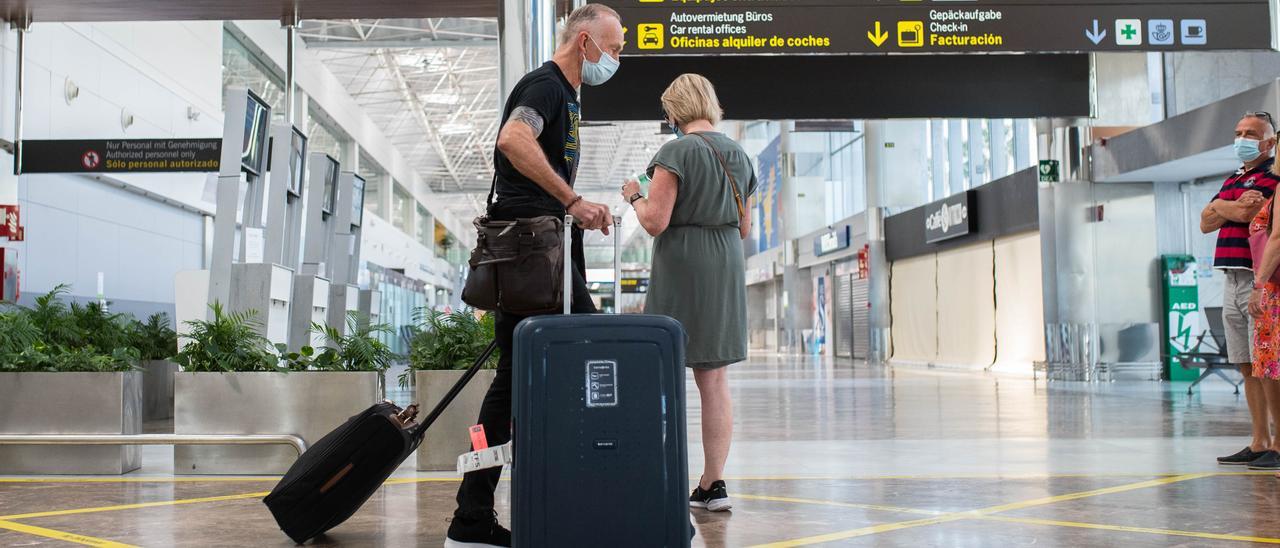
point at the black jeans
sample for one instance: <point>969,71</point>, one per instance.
<point>475,496</point>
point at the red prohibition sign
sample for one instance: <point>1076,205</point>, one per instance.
<point>91,159</point>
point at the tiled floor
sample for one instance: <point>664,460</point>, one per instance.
<point>825,453</point>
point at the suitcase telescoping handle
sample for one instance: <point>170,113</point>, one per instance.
<point>568,263</point>
<point>457,388</point>
<point>567,270</point>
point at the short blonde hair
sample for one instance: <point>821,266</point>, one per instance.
<point>583,17</point>
<point>691,97</point>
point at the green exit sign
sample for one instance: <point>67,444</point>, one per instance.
<point>1049,171</point>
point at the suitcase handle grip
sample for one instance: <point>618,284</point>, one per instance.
<point>456,389</point>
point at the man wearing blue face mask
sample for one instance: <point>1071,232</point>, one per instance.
<point>535,161</point>
<point>1242,196</point>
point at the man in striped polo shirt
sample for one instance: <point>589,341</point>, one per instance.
<point>1242,196</point>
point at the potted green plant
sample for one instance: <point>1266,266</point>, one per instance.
<point>233,381</point>
<point>76,363</point>
<point>442,347</point>
<point>157,343</point>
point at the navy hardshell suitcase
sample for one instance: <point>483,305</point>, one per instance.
<point>599,427</point>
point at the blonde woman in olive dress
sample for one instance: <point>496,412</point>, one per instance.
<point>696,212</point>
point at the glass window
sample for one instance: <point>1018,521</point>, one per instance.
<point>447,247</point>
<point>321,137</point>
<point>425,226</point>
<point>443,240</point>
<point>240,67</point>
<point>375,177</point>
<point>402,209</point>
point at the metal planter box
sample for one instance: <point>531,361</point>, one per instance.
<point>157,389</point>
<point>449,437</point>
<point>308,404</point>
<point>70,403</point>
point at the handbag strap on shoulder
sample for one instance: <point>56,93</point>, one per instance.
<point>733,183</point>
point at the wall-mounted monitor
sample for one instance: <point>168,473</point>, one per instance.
<point>257,120</point>
<point>330,186</point>
<point>357,200</point>
<point>297,163</point>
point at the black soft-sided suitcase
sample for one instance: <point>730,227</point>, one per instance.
<point>336,475</point>
<point>600,457</point>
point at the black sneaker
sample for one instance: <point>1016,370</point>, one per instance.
<point>473,533</point>
<point>1245,456</point>
<point>715,499</point>
<point>1268,460</point>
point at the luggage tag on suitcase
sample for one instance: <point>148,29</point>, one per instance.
<point>491,457</point>
<point>478,439</point>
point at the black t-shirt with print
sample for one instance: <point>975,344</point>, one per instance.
<point>546,91</point>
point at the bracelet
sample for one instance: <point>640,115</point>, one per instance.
<point>571,203</point>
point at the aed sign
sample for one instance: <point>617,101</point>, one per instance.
<point>1050,171</point>
<point>949,218</point>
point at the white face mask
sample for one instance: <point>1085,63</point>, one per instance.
<point>598,72</point>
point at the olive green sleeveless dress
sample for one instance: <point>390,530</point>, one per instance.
<point>699,270</point>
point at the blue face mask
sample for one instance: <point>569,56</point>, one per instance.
<point>598,72</point>
<point>1247,149</point>
<point>676,130</point>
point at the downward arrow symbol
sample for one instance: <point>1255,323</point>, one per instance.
<point>1095,35</point>
<point>878,36</point>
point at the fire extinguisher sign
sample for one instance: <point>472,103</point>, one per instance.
<point>10,223</point>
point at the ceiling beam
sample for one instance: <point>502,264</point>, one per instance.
<point>317,42</point>
<point>417,110</point>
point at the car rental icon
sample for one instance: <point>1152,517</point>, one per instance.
<point>650,35</point>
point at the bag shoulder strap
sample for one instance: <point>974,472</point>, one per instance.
<point>493,187</point>
<point>733,183</point>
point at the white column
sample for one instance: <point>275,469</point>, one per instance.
<point>878,350</point>
<point>526,39</point>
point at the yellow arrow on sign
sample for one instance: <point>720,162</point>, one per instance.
<point>878,37</point>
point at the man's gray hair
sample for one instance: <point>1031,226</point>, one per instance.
<point>584,16</point>
<point>1269,123</point>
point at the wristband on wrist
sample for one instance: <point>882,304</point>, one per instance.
<point>571,203</point>
<point>634,198</point>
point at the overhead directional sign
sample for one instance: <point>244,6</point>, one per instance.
<point>684,27</point>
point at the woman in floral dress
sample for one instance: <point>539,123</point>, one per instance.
<point>1264,305</point>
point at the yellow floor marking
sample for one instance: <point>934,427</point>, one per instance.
<point>897,509</point>
<point>1088,494</point>
<point>1126,529</point>
<point>856,532</point>
<point>134,506</point>
<point>402,481</point>
<point>862,532</point>
<point>928,477</point>
<point>979,513</point>
<point>246,479</point>
<point>213,479</point>
<point>200,500</point>
<point>61,535</point>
